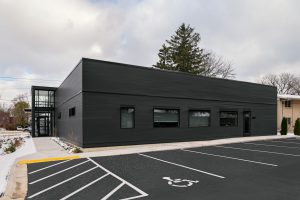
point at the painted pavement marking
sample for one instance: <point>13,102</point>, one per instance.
<point>228,157</point>
<point>272,145</point>
<point>58,184</point>
<point>142,193</point>
<point>49,166</point>
<point>33,182</point>
<point>183,166</point>
<point>255,150</point>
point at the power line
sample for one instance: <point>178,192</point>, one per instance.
<point>6,100</point>
<point>28,79</point>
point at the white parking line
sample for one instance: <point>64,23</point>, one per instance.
<point>135,197</point>
<point>271,152</point>
<point>183,166</point>
<point>284,142</point>
<point>233,158</point>
<point>58,172</point>
<point>271,145</point>
<point>143,194</point>
<point>113,191</point>
<point>298,138</point>
<point>49,166</point>
<point>82,188</point>
<point>53,186</point>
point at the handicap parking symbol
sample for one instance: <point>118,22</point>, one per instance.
<point>179,182</point>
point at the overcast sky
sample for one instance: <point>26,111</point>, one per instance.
<point>45,39</point>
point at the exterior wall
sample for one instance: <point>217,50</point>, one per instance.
<point>102,120</point>
<point>292,112</point>
<point>68,95</point>
<point>107,86</point>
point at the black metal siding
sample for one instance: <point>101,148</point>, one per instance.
<point>68,95</point>
<point>107,86</point>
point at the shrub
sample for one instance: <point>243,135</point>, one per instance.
<point>283,130</point>
<point>10,149</point>
<point>297,127</point>
<point>18,142</point>
<point>76,150</point>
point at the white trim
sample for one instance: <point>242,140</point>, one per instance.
<point>82,188</point>
<point>183,166</point>
<point>57,172</point>
<point>53,186</point>
<point>272,152</point>
<point>49,166</point>
<point>233,158</point>
<point>288,96</point>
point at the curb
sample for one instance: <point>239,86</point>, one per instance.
<point>21,162</point>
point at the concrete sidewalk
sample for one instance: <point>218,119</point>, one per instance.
<point>46,148</point>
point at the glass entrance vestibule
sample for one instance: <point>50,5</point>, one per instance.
<point>43,111</point>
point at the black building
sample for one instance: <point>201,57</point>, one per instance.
<point>104,103</point>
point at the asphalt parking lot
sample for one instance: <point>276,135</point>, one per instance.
<point>252,170</point>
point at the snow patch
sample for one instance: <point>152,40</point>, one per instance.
<point>7,160</point>
<point>68,147</point>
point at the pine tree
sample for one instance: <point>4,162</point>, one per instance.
<point>164,59</point>
<point>283,130</point>
<point>297,127</point>
<point>183,53</point>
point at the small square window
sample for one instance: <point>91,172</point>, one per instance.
<point>72,112</point>
<point>287,104</point>
<point>127,117</point>
<point>59,115</point>
<point>288,119</point>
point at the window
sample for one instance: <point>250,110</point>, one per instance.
<point>228,118</point>
<point>127,117</point>
<point>288,119</point>
<point>199,118</point>
<point>165,117</point>
<point>59,115</point>
<point>72,112</point>
<point>287,104</point>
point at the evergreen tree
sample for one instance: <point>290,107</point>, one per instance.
<point>297,127</point>
<point>283,130</point>
<point>164,59</point>
<point>183,53</point>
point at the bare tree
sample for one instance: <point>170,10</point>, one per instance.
<point>3,107</point>
<point>218,67</point>
<point>286,83</point>
<point>20,103</point>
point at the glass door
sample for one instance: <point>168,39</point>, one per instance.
<point>43,126</point>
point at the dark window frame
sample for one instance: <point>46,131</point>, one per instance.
<point>166,108</point>
<point>287,103</point>
<point>289,120</point>
<point>127,107</point>
<point>72,112</point>
<point>229,111</point>
<point>59,115</point>
<point>199,110</point>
